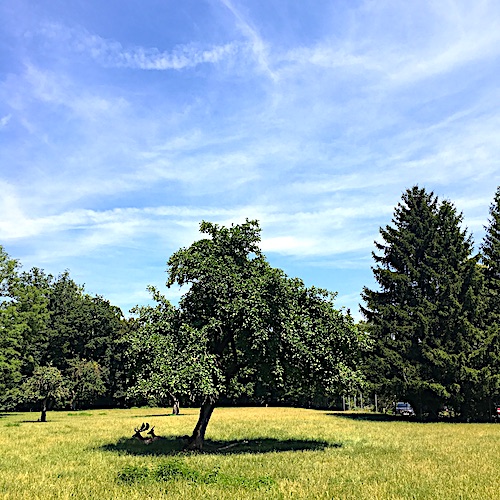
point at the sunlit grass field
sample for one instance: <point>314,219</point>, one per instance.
<point>251,453</point>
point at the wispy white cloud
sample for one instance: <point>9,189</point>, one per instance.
<point>258,46</point>
<point>287,233</point>
<point>187,56</point>
<point>5,120</point>
<point>34,88</point>
<point>12,213</point>
<point>112,53</point>
<point>434,39</point>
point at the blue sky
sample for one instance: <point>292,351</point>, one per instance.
<point>124,124</point>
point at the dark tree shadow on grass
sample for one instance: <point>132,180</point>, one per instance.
<point>162,415</point>
<point>372,417</point>
<point>174,446</point>
<point>380,417</point>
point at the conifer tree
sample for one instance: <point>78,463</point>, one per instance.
<point>420,319</point>
<point>491,268</point>
<point>491,260</point>
<point>454,348</point>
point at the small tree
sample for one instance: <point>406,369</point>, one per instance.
<point>45,386</point>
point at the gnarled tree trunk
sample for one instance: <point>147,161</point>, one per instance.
<point>197,439</point>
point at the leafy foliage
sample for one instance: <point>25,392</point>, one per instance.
<point>167,358</point>
<point>84,381</point>
<point>11,330</point>
<point>255,321</point>
<point>47,320</point>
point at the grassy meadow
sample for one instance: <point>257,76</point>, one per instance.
<point>250,453</point>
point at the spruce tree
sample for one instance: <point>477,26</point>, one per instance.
<point>453,350</point>
<point>491,268</point>
<point>491,260</point>
<point>419,318</point>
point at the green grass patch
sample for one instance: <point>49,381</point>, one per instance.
<point>133,474</point>
<point>80,414</point>
<point>177,470</point>
<point>251,453</point>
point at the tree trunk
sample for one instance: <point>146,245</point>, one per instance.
<point>198,437</point>
<point>175,407</point>
<point>43,417</point>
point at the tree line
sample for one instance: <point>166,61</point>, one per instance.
<point>244,332</point>
<point>57,342</point>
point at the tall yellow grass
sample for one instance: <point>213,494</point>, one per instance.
<point>278,453</point>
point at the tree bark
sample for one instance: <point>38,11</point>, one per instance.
<point>175,407</point>
<point>197,439</point>
<point>43,416</point>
